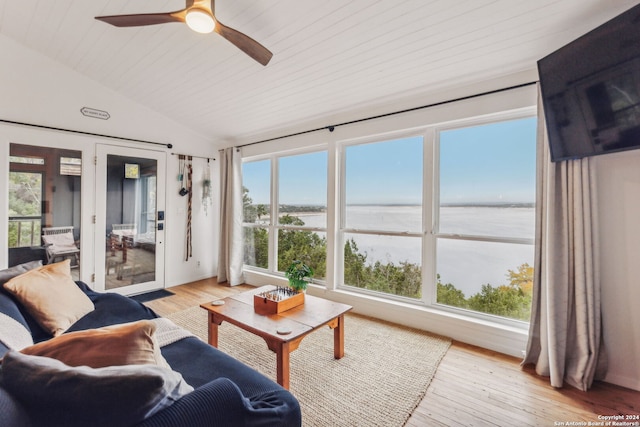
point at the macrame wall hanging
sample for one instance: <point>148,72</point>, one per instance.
<point>185,176</point>
<point>189,206</point>
<point>207,192</point>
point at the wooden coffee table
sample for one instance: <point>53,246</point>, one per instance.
<point>301,321</point>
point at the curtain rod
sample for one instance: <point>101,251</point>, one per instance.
<point>84,133</point>
<point>199,157</point>
<point>331,128</point>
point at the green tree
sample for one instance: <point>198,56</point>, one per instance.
<point>25,200</point>
<point>256,247</point>
<point>449,295</point>
<point>522,278</point>
<point>291,220</point>
<point>355,273</point>
<point>261,210</point>
<point>250,212</point>
<point>306,246</point>
<point>506,301</point>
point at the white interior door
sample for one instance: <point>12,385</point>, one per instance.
<point>130,205</point>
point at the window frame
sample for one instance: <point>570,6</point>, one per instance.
<point>268,226</point>
<point>274,226</point>
<point>429,234</point>
<point>342,211</point>
<point>498,117</point>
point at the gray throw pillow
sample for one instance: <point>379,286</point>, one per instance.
<point>81,396</point>
<point>11,272</point>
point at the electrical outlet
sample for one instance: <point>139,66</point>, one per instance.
<point>198,264</point>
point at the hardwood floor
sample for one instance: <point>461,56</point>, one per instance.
<point>473,386</point>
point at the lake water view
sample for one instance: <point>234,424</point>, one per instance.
<point>467,264</point>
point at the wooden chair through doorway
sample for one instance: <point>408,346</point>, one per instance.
<point>59,243</point>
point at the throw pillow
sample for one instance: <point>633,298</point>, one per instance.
<point>16,270</point>
<point>51,296</point>
<point>124,344</point>
<point>82,396</point>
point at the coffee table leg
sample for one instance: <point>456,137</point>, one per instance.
<point>338,338</point>
<point>213,330</point>
<point>283,360</point>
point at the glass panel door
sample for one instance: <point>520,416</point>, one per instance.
<point>130,220</point>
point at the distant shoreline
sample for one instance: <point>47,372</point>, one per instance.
<point>311,209</point>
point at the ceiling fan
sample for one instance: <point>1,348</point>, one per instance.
<point>199,15</point>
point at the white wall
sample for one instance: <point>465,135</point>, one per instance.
<point>37,90</point>
<point>619,221</point>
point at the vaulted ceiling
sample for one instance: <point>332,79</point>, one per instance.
<point>329,56</point>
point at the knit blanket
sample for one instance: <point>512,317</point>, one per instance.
<point>13,334</point>
<point>168,332</point>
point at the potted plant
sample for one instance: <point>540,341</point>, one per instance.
<point>299,275</point>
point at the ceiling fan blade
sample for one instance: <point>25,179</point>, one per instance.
<point>244,43</point>
<point>143,19</point>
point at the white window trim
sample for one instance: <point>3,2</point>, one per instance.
<point>273,226</point>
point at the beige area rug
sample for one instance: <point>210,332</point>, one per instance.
<point>379,382</point>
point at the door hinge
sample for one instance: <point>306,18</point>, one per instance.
<point>93,277</point>
<point>95,160</point>
<point>93,219</point>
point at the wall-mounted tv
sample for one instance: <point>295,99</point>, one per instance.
<point>591,90</point>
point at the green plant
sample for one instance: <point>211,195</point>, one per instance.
<point>299,275</point>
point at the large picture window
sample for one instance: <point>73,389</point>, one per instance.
<point>299,206</point>
<point>486,217</point>
<point>460,237</point>
<point>382,221</point>
<point>441,216</point>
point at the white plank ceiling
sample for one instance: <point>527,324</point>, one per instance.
<point>330,56</point>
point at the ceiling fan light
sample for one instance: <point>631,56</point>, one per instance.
<point>200,21</point>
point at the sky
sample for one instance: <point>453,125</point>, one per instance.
<point>491,163</point>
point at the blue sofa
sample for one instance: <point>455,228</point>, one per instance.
<point>226,392</point>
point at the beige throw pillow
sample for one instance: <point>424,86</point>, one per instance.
<point>124,344</point>
<point>51,296</point>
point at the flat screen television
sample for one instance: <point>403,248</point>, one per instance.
<point>591,91</point>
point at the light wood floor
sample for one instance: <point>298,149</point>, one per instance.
<point>473,386</point>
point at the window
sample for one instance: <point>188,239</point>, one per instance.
<point>299,205</point>
<point>382,221</point>
<point>441,215</point>
<point>486,212</point>
<point>256,201</point>
<point>468,242</point>
<point>28,160</point>
<point>302,211</point>
<point>25,203</point>
<point>25,199</point>
<point>70,166</point>
<point>44,192</point>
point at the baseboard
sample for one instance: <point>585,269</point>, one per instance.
<point>623,381</point>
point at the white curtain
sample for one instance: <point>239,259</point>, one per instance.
<point>230,252</point>
<point>565,341</point>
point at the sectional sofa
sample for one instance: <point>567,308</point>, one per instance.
<point>75,357</point>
